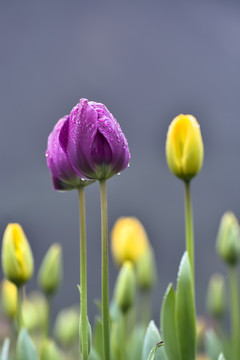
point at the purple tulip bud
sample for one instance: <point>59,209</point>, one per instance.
<point>63,175</point>
<point>94,142</point>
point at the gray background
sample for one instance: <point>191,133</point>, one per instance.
<point>147,61</point>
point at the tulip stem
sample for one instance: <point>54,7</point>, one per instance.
<point>19,308</point>
<point>105,291</point>
<point>233,278</point>
<point>189,227</point>
<point>47,326</point>
<point>83,276</point>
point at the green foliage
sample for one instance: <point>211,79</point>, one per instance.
<point>5,350</point>
<point>178,316</point>
<point>152,340</point>
<point>25,347</point>
<point>168,324</point>
<point>213,345</point>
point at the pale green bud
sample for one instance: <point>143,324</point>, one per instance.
<point>66,329</point>
<point>216,296</point>
<point>50,273</point>
<point>17,259</point>
<point>146,270</point>
<point>49,351</point>
<point>125,287</point>
<point>34,311</point>
<point>228,239</point>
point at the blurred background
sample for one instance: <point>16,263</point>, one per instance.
<point>147,61</point>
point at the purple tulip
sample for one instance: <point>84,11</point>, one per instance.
<point>63,175</point>
<point>94,142</point>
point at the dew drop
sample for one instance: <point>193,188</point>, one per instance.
<point>128,165</point>
<point>118,173</point>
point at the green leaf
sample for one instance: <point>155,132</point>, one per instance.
<point>94,355</point>
<point>152,338</point>
<point>221,357</point>
<point>5,350</point>
<point>185,311</point>
<point>135,343</point>
<point>155,354</point>
<point>25,347</point>
<point>97,337</point>
<point>213,345</point>
<point>168,325</point>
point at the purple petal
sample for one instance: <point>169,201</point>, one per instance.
<point>112,132</point>
<point>77,136</point>
<point>63,175</point>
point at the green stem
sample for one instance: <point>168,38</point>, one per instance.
<point>189,227</point>
<point>235,311</point>
<point>19,309</point>
<point>105,291</point>
<point>48,316</point>
<point>83,276</point>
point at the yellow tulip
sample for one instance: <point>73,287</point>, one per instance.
<point>9,298</point>
<point>128,240</point>
<point>184,147</point>
<point>17,259</point>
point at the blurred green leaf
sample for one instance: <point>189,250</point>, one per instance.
<point>168,324</point>
<point>94,355</point>
<point>221,357</point>
<point>5,350</point>
<point>25,347</point>
<point>185,311</point>
<point>152,338</point>
<point>97,337</point>
<point>135,343</point>
<point>213,345</point>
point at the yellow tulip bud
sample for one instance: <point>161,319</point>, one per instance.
<point>184,147</point>
<point>216,296</point>
<point>9,298</point>
<point>125,287</point>
<point>228,239</point>
<point>50,273</point>
<point>17,259</point>
<point>128,240</point>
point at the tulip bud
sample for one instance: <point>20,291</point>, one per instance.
<point>50,351</point>
<point>216,296</point>
<point>66,327</point>
<point>50,273</point>
<point>125,287</point>
<point>34,311</point>
<point>228,239</point>
<point>9,298</point>
<point>17,259</point>
<point>129,240</point>
<point>184,147</point>
<point>146,270</point>
<point>94,142</point>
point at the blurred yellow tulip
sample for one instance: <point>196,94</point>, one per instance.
<point>128,240</point>
<point>9,298</point>
<point>17,259</point>
<point>184,147</point>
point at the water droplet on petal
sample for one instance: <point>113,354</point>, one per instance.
<point>118,173</point>
<point>128,165</point>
